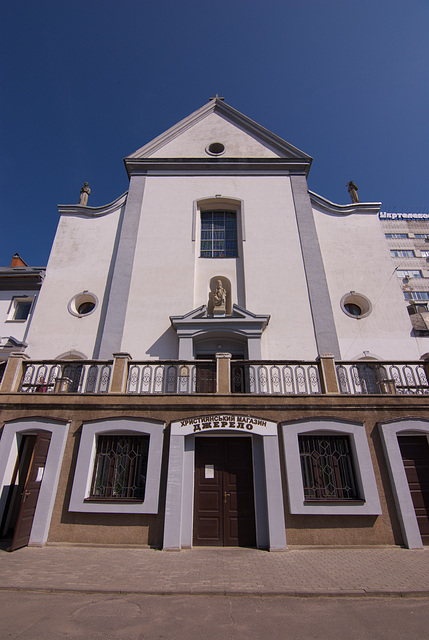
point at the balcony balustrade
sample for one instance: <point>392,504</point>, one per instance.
<point>275,378</point>
<point>172,377</point>
<point>292,378</point>
<point>374,377</point>
<point>67,377</point>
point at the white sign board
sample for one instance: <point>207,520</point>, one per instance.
<point>224,422</point>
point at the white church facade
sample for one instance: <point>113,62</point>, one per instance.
<point>216,359</point>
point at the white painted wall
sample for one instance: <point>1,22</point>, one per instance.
<point>79,260</point>
<point>169,278</point>
<point>356,258</point>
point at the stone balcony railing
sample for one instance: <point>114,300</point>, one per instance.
<point>223,376</point>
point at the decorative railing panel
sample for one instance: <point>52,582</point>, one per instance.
<point>67,377</point>
<point>283,378</point>
<point>172,377</point>
<point>374,377</point>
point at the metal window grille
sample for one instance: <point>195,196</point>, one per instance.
<point>120,467</point>
<point>327,468</point>
<point>219,234</point>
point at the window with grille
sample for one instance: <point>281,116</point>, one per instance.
<point>327,468</point>
<point>120,467</point>
<point>219,234</point>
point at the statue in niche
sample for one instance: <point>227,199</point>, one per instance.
<point>219,298</point>
<point>352,189</point>
<point>84,193</point>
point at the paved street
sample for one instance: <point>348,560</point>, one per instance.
<point>234,571</point>
<point>80,616</point>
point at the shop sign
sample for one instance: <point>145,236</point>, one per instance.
<point>403,216</point>
<point>224,422</point>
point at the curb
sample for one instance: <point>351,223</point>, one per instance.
<point>341,593</point>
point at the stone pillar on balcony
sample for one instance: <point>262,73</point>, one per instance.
<point>328,374</point>
<point>12,376</point>
<point>120,373</point>
<point>223,373</point>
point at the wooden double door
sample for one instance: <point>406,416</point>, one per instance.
<point>224,510</point>
<point>415,456</point>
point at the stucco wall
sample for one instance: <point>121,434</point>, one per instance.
<point>169,277</point>
<point>356,259</point>
<point>80,259</point>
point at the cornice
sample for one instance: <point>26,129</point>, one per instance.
<point>213,166</point>
<point>92,212</point>
<point>343,209</point>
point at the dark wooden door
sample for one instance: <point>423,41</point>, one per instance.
<point>30,491</point>
<point>415,455</point>
<point>224,512</point>
<point>206,377</point>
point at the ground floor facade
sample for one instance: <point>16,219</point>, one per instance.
<point>177,471</point>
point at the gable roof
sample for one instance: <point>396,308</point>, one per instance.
<point>266,137</point>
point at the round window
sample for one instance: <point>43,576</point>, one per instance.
<point>215,149</point>
<point>353,309</point>
<point>356,305</point>
<point>85,307</point>
<point>82,304</point>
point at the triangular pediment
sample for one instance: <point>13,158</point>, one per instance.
<point>241,320</point>
<point>217,122</point>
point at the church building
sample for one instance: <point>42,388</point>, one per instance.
<point>219,357</point>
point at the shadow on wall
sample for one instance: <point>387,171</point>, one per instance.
<point>166,347</point>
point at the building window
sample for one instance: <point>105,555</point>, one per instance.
<point>424,254</point>
<point>120,467</point>
<point>327,468</point>
<point>19,309</point>
<point>83,304</point>
<point>353,309</point>
<point>417,308</point>
<point>402,253</point>
<point>416,295</point>
<point>356,305</point>
<point>219,234</point>
<point>421,235</point>
<point>215,149</point>
<point>414,273</point>
<point>396,235</point>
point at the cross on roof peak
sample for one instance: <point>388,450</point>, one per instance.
<point>217,97</point>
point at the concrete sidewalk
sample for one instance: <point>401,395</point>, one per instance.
<point>383,571</point>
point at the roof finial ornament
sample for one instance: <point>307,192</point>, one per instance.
<point>352,189</point>
<point>217,97</point>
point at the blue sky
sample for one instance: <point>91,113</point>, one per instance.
<point>86,83</point>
